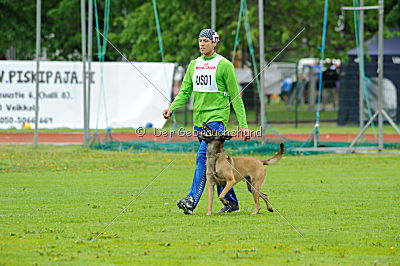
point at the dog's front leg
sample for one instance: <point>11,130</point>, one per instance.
<point>211,186</point>
<point>225,191</point>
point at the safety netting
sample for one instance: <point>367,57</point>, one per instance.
<point>293,147</point>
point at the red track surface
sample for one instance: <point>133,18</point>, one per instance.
<point>77,138</point>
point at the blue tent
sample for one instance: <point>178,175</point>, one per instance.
<point>390,47</point>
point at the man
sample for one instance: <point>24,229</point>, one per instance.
<point>213,82</point>
<point>286,87</point>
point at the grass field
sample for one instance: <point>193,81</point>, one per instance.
<point>55,200</point>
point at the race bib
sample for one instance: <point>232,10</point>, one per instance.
<point>204,75</point>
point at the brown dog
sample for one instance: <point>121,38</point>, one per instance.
<point>226,171</point>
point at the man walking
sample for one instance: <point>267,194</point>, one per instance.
<point>212,80</point>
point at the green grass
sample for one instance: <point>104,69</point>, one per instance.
<point>57,199</point>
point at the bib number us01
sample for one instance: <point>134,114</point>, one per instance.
<point>203,80</point>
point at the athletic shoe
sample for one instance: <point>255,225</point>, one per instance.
<point>231,207</point>
<point>186,204</point>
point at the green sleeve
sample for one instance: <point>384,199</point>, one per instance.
<point>186,88</point>
<point>234,94</point>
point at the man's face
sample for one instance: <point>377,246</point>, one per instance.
<point>206,46</point>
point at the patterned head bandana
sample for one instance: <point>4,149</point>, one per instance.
<point>209,34</point>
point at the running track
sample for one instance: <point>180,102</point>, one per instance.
<point>77,138</point>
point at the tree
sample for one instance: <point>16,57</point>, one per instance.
<point>133,29</point>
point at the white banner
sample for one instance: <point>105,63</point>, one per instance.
<point>122,98</point>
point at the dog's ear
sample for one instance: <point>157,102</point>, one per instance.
<point>206,138</point>
<point>227,137</point>
<point>206,127</point>
<point>209,131</point>
<point>224,137</point>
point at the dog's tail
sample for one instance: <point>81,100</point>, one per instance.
<point>277,157</point>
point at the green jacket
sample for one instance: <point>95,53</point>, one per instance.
<point>212,107</point>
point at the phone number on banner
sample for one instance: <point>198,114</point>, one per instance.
<point>22,120</point>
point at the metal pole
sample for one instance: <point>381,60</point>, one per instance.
<point>213,12</point>
<point>317,116</point>
<point>90,47</point>
<point>361,65</point>
<point>262,74</point>
<point>380,75</point>
<point>379,112</point>
<point>38,36</point>
<point>363,130</point>
<point>83,24</point>
<point>350,8</point>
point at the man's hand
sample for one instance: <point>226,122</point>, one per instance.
<point>246,133</point>
<point>167,113</point>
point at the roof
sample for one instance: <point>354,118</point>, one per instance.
<point>390,47</point>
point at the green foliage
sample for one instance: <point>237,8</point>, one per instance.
<point>56,200</point>
<point>17,27</point>
<point>133,31</point>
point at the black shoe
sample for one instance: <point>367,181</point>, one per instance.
<point>186,204</point>
<point>231,207</point>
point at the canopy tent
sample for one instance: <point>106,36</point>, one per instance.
<point>390,47</point>
<point>349,82</point>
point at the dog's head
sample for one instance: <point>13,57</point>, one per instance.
<point>214,139</point>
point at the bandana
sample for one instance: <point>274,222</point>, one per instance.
<point>209,34</point>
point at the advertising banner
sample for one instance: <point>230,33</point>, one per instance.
<point>122,94</point>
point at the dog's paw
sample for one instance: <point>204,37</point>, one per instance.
<point>208,213</point>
